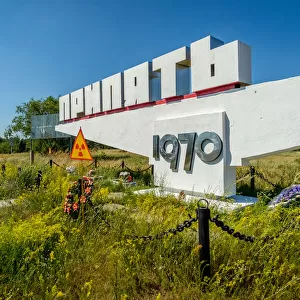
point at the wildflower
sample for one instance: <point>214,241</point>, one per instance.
<point>196,250</point>
<point>60,294</point>
<point>88,287</point>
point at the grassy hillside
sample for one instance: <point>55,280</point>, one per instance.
<point>45,254</point>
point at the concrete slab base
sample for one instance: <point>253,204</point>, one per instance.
<point>238,200</point>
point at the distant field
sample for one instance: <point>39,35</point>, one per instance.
<point>105,157</point>
<point>115,155</point>
<point>280,169</point>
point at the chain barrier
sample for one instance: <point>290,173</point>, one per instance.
<point>258,174</point>
<point>261,176</point>
<point>138,171</point>
<point>46,164</point>
<point>243,177</point>
<point>231,231</point>
<point>123,166</point>
<point>57,164</point>
<point>238,235</point>
<point>179,228</point>
<point>93,162</point>
<point>117,166</point>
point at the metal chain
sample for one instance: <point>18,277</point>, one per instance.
<point>238,235</point>
<point>179,228</point>
<point>138,171</point>
<point>90,164</point>
<point>57,164</point>
<point>261,176</point>
<point>243,177</point>
<point>231,231</point>
<point>46,164</point>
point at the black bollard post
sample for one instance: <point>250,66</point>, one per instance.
<point>252,180</point>
<point>50,163</point>
<point>79,188</point>
<point>96,161</point>
<point>39,179</point>
<point>122,164</point>
<point>203,215</point>
<point>80,192</point>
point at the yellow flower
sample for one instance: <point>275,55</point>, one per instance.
<point>60,294</point>
<point>196,250</point>
<point>88,287</point>
<point>51,255</point>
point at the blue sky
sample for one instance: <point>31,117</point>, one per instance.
<point>55,47</point>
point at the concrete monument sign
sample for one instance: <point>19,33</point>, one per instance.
<point>193,112</point>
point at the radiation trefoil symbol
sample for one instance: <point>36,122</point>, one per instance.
<point>80,148</point>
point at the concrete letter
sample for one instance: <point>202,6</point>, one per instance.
<point>215,64</point>
<point>65,107</point>
<point>93,101</point>
<point>112,92</point>
<point>137,84</point>
<point>77,103</point>
<point>167,64</point>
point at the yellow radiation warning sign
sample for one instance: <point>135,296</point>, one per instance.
<point>80,149</point>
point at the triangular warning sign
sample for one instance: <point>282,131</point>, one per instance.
<point>80,149</point>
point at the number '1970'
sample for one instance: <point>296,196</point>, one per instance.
<point>194,144</point>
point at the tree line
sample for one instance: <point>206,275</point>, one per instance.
<point>17,134</point>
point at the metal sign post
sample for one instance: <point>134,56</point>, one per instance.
<point>11,144</point>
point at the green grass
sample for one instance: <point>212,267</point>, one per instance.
<point>46,255</point>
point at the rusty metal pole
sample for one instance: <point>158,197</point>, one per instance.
<point>31,153</point>
<point>252,179</point>
<point>203,215</point>
<point>3,168</point>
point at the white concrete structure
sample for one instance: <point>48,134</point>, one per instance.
<point>93,93</point>
<point>112,92</point>
<point>137,84</point>
<point>209,63</point>
<point>251,121</point>
<point>167,65</point>
<point>65,107</point>
<point>77,104</point>
<point>214,63</point>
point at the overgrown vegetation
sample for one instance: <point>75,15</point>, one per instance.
<point>47,255</point>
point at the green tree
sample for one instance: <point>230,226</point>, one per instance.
<point>21,123</point>
<point>8,132</point>
<point>4,146</point>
